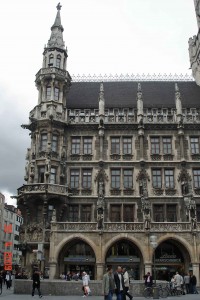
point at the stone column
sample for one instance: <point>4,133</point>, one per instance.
<point>147,268</point>
<point>52,269</point>
<point>99,271</point>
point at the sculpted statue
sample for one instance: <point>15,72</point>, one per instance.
<point>48,165</point>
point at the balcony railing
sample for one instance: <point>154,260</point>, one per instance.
<point>42,188</point>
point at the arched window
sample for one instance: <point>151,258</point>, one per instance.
<point>48,93</point>
<point>58,61</point>
<point>56,94</point>
<point>51,60</point>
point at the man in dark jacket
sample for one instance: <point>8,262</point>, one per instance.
<point>148,281</point>
<point>36,283</point>
<point>119,282</point>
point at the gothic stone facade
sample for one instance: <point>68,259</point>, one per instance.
<point>110,165</point>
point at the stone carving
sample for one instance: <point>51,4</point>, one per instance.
<point>26,171</point>
<point>34,232</point>
<point>48,165</point>
<point>190,206</point>
<point>53,219</point>
<point>100,204</point>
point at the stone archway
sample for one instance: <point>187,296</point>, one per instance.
<point>126,253</point>
<point>171,256</point>
<point>75,257</point>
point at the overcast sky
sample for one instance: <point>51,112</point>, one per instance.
<point>102,37</point>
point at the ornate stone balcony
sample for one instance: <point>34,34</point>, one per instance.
<point>52,71</point>
<point>42,188</point>
<point>124,226</point>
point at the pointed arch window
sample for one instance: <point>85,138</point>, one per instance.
<point>48,93</point>
<point>56,94</point>
<point>51,60</point>
<point>58,61</point>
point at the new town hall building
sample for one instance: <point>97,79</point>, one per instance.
<point>110,165</point>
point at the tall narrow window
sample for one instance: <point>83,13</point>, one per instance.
<point>127,145</point>
<point>194,144</point>
<point>54,143</point>
<point>115,213</point>
<point>53,176</point>
<point>171,213</point>
<point>73,213</point>
<point>58,61</point>
<point>128,213</point>
<point>196,176</point>
<point>86,212</point>
<point>115,145</point>
<point>128,179</point>
<point>155,145</point>
<point>158,213</point>
<point>169,179</point>
<point>56,94</point>
<point>41,171</point>
<point>76,142</point>
<point>198,212</point>
<point>48,93</point>
<point>43,142</point>
<point>87,145</point>
<point>74,179</point>
<point>167,145</point>
<point>87,179</point>
<point>156,179</point>
<point>115,179</point>
<point>51,60</point>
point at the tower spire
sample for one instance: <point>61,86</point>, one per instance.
<point>56,38</point>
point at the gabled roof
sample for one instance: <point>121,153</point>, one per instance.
<point>122,94</point>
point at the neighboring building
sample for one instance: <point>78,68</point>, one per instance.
<point>10,220</point>
<point>112,172</point>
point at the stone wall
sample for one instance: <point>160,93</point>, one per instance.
<point>62,287</point>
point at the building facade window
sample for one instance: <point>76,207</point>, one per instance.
<point>169,178</point>
<point>115,179</point>
<point>157,179</point>
<point>115,213</point>
<point>194,145</point>
<point>53,176</point>
<point>48,92</point>
<point>127,145</point>
<point>158,213</point>
<point>75,145</point>
<point>54,143</point>
<point>128,179</point>
<point>87,145</point>
<point>128,213</point>
<point>51,60</point>
<point>171,213</point>
<point>58,61</point>
<point>74,179</point>
<point>43,142</point>
<point>86,213</point>
<point>56,93</point>
<point>73,213</point>
<point>87,179</point>
<point>155,145</point>
<point>41,173</point>
<point>198,212</point>
<point>196,177</point>
<point>167,145</point>
<point>115,145</point>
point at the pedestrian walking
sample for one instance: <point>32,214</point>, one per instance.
<point>186,280</point>
<point>108,284</point>
<point>178,281</point>
<point>36,283</point>
<point>8,280</point>
<point>193,283</point>
<point>119,282</point>
<point>86,288</point>
<point>126,284</point>
<point>148,280</point>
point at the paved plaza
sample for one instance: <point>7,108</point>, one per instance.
<point>8,295</point>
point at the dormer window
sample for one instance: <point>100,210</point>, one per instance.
<point>58,61</point>
<point>56,94</point>
<point>51,60</point>
<point>48,93</point>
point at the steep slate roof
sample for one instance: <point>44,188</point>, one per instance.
<point>122,94</point>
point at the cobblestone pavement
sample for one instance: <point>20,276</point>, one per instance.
<point>8,295</point>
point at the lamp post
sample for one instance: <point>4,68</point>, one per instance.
<point>153,243</point>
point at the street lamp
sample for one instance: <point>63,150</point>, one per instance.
<point>153,243</point>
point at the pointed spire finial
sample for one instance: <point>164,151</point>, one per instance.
<point>59,6</point>
<point>139,87</point>
<point>176,87</point>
